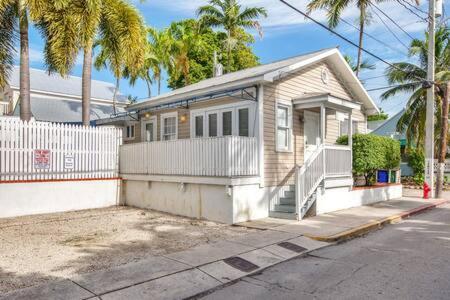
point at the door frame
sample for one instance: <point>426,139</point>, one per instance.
<point>310,114</point>
<point>144,123</point>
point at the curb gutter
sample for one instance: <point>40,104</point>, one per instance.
<point>366,228</point>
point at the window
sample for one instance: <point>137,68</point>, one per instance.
<point>224,120</point>
<point>169,126</point>
<point>212,124</point>
<point>129,132</point>
<point>283,128</point>
<point>227,123</point>
<point>149,136</point>
<point>198,126</point>
<point>243,122</point>
<point>343,127</point>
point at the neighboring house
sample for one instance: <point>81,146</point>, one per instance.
<point>58,99</point>
<point>372,125</point>
<point>248,144</point>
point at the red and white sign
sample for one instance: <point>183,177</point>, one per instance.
<point>42,159</point>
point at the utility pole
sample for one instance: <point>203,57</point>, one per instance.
<point>429,128</point>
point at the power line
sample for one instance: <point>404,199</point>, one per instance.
<point>374,77</point>
<point>392,86</point>
<point>392,20</point>
<point>389,29</point>
<point>374,38</point>
<point>343,37</point>
<point>403,2</point>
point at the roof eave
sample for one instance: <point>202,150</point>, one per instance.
<point>197,93</point>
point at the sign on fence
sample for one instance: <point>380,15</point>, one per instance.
<point>40,150</point>
<point>42,159</point>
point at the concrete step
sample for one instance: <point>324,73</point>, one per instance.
<point>282,215</point>
<point>285,208</point>
<point>287,201</point>
<point>289,194</point>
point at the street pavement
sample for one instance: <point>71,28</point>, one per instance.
<point>408,260</point>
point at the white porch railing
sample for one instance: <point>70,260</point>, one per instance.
<point>228,156</point>
<point>338,161</point>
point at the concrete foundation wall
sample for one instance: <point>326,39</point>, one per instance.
<point>28,198</point>
<point>345,197</point>
<point>203,201</point>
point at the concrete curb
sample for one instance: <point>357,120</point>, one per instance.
<point>368,227</point>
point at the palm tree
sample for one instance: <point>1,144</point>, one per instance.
<point>15,15</point>
<point>159,56</point>
<point>229,15</point>
<point>334,11</point>
<point>411,78</point>
<point>365,64</point>
<point>182,38</point>
<point>116,22</point>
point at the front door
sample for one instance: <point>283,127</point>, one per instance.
<point>312,132</point>
<point>149,130</point>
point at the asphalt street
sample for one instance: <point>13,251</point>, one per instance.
<point>408,260</point>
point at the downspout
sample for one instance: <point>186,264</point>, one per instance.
<point>260,132</point>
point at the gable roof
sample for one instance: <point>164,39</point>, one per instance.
<point>264,73</point>
<point>389,127</point>
<point>40,80</point>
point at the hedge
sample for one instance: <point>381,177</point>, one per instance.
<point>372,153</point>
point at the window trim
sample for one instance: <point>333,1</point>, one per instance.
<point>354,121</point>
<point>154,120</point>
<point>166,116</point>
<point>288,106</point>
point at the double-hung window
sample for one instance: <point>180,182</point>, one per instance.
<point>169,126</point>
<point>129,132</point>
<point>343,127</point>
<point>284,127</point>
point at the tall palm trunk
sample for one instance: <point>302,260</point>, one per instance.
<point>148,81</point>
<point>229,52</point>
<point>116,90</point>
<point>362,17</point>
<point>86,84</point>
<point>25,105</point>
<point>443,142</point>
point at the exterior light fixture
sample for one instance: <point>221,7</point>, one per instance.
<point>183,118</point>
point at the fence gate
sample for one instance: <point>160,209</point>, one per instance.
<point>48,151</point>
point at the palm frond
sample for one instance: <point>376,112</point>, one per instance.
<point>8,36</point>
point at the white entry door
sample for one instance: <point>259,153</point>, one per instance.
<point>149,130</point>
<point>312,132</point>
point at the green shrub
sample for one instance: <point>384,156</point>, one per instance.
<point>372,153</point>
<point>416,160</point>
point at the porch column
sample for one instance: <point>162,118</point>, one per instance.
<point>260,132</point>
<point>323,120</point>
<point>350,129</point>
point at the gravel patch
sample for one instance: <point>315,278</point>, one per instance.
<point>35,249</point>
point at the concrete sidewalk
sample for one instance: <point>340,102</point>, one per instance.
<point>205,267</point>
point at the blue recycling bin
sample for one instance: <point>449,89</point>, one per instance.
<point>383,176</point>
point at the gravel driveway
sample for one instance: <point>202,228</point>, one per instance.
<point>35,249</point>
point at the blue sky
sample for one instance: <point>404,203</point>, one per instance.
<point>286,34</point>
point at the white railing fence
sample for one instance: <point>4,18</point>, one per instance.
<point>338,160</point>
<point>40,150</point>
<point>219,156</point>
<point>308,177</point>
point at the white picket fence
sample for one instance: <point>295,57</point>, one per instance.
<point>41,151</point>
<point>220,156</point>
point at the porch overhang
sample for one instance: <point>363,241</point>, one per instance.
<point>326,100</point>
<point>117,120</point>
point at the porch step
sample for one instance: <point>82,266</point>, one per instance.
<point>289,194</point>
<point>282,215</point>
<point>285,208</point>
<point>287,200</point>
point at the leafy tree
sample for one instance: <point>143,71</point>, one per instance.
<point>201,55</point>
<point>229,15</point>
<point>381,116</point>
<point>372,153</point>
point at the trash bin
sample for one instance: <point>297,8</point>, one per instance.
<point>383,176</point>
